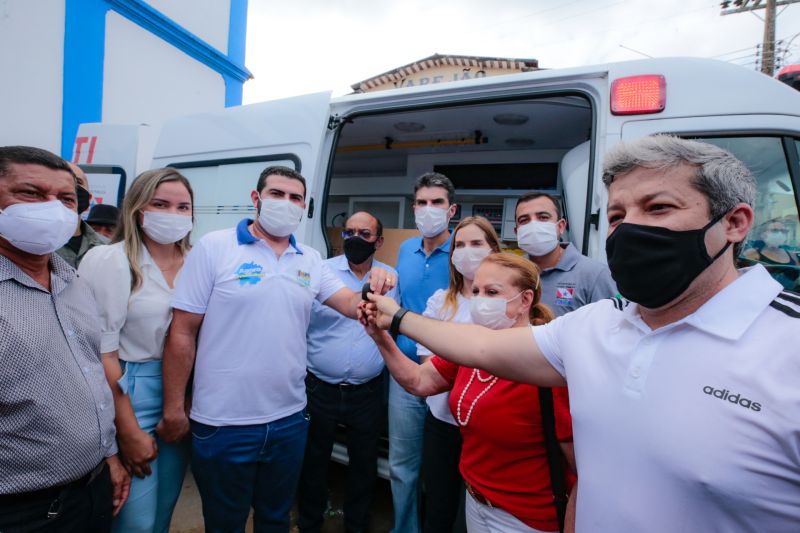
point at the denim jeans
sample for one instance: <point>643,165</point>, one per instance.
<point>406,421</point>
<point>239,467</point>
<point>360,409</point>
<point>153,498</point>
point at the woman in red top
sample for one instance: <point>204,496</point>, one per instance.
<point>503,458</point>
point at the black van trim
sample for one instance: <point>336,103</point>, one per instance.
<point>110,169</point>
<point>237,160</point>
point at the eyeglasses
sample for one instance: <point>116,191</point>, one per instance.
<point>363,233</point>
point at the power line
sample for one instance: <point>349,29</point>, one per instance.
<point>768,52</point>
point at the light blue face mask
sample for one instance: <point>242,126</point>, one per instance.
<point>491,312</point>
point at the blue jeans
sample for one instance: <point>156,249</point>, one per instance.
<point>152,499</point>
<point>238,467</point>
<point>406,423</point>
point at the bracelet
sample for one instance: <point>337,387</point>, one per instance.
<point>394,328</point>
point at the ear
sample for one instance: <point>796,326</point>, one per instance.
<point>738,222</point>
<point>561,227</point>
<point>452,210</point>
<point>255,197</point>
<point>526,299</point>
<point>379,243</point>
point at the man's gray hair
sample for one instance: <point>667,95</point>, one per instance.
<point>722,178</point>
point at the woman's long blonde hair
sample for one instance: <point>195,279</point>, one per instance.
<point>526,278</point>
<point>456,278</point>
<point>138,196</point>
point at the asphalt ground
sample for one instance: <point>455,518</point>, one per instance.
<point>188,516</point>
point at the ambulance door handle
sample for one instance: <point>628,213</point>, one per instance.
<point>311,208</point>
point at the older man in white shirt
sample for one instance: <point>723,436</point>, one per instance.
<point>684,396</point>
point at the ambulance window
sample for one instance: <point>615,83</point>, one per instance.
<point>774,240</point>
<point>222,190</point>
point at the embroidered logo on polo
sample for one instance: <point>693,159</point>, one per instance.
<point>729,396</point>
<point>249,273</point>
<point>303,278</point>
<point>565,293</point>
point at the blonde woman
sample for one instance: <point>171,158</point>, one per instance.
<point>503,458</point>
<point>132,281</point>
<point>473,239</point>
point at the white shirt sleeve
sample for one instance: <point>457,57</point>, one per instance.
<point>547,337</point>
<point>107,272</point>
<point>196,280</point>
<point>329,284</point>
<point>433,309</point>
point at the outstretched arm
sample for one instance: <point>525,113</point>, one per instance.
<point>508,353</point>
<point>346,301</point>
<point>418,379</point>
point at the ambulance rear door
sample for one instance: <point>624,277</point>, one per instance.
<point>222,154</point>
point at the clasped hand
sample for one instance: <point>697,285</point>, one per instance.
<point>376,314</point>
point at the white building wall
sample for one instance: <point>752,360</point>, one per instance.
<point>147,80</point>
<point>31,55</point>
<point>207,19</point>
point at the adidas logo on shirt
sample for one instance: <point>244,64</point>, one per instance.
<point>725,394</point>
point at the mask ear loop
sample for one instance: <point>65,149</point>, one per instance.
<point>703,237</point>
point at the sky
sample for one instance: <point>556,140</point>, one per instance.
<point>303,46</point>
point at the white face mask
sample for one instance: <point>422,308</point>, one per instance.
<point>166,228</point>
<point>538,238</point>
<point>431,221</point>
<point>468,259</point>
<point>279,218</point>
<point>491,312</point>
<point>775,239</point>
<point>38,228</point>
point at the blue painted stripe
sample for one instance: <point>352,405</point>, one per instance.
<point>84,54</point>
<point>156,23</point>
<point>237,37</point>
<point>82,80</point>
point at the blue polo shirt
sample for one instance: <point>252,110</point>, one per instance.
<point>420,276</point>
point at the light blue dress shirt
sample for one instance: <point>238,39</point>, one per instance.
<point>419,276</point>
<point>339,350</point>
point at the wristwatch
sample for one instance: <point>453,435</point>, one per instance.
<point>394,328</point>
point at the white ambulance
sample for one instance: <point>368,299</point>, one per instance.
<point>496,138</point>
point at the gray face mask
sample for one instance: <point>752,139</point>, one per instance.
<point>39,228</point>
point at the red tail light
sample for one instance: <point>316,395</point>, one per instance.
<point>638,95</point>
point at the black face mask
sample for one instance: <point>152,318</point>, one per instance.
<point>357,250</point>
<point>653,265</point>
<point>84,197</point>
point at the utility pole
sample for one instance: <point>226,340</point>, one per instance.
<point>770,14</point>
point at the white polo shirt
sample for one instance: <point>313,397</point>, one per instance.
<point>692,427</point>
<point>251,349</point>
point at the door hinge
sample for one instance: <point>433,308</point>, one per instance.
<point>334,121</point>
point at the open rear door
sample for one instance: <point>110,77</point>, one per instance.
<point>222,154</point>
